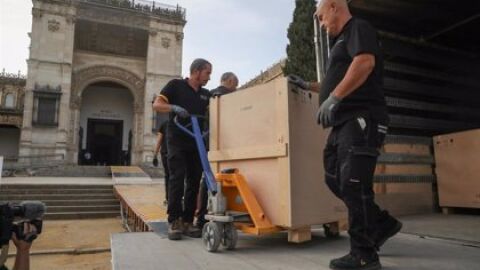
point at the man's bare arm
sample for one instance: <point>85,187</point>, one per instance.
<point>358,72</point>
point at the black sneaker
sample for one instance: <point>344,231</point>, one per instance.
<point>353,262</point>
<point>391,228</point>
<point>175,230</point>
<point>192,231</point>
<point>200,222</point>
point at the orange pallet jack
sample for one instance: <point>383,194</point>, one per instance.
<point>231,203</point>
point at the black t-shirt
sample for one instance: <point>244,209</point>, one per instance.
<point>357,37</point>
<point>179,92</point>
<point>221,90</point>
<point>163,129</point>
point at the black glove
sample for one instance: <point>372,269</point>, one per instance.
<point>298,81</point>
<point>181,112</point>
<point>325,112</point>
<point>155,161</point>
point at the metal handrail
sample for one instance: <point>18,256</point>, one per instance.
<point>149,6</point>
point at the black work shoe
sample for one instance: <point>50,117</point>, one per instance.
<point>200,222</point>
<point>191,231</point>
<point>354,262</point>
<point>392,228</point>
<point>175,230</point>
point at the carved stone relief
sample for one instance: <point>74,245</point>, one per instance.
<point>112,16</point>
<point>71,19</point>
<point>53,25</point>
<point>165,42</point>
<point>179,37</point>
<point>37,13</point>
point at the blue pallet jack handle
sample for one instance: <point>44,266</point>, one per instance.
<point>202,152</point>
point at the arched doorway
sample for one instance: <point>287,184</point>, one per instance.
<point>106,120</point>
<point>90,76</point>
<point>9,141</point>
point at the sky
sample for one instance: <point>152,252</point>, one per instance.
<point>242,36</point>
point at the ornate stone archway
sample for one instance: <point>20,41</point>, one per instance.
<point>81,79</point>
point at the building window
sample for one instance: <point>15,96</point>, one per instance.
<point>10,101</point>
<point>45,109</point>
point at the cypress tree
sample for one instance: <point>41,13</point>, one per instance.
<point>301,50</point>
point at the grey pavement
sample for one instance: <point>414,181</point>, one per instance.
<point>457,227</point>
<point>405,251</point>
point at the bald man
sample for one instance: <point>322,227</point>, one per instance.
<point>353,104</point>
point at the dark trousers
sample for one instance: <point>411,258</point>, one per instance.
<point>184,180</point>
<point>350,157</point>
<point>166,170</point>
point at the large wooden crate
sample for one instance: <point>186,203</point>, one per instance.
<point>269,133</point>
<point>457,158</point>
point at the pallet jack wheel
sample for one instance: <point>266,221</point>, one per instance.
<point>331,231</point>
<point>212,236</point>
<point>230,236</point>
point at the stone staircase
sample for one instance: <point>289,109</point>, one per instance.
<point>66,201</point>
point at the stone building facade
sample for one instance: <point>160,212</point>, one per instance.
<point>12,92</point>
<point>93,71</point>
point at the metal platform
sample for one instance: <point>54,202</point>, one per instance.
<point>152,251</point>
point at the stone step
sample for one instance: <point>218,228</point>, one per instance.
<point>81,215</point>
<point>55,191</point>
<point>53,186</point>
<point>42,197</point>
<point>78,202</point>
<point>87,208</point>
<point>74,171</point>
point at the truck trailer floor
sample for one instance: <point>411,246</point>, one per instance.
<point>405,251</point>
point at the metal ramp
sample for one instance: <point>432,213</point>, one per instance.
<point>122,175</point>
<point>141,200</point>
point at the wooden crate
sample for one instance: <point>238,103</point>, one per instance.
<point>269,132</point>
<point>457,158</point>
<point>400,197</point>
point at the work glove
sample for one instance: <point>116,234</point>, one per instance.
<point>298,81</point>
<point>325,112</point>
<point>155,161</point>
<point>181,112</point>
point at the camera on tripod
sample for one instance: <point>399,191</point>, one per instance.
<point>13,217</point>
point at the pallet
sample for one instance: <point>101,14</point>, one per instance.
<point>304,234</point>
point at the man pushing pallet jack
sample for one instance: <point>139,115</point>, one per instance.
<point>231,203</point>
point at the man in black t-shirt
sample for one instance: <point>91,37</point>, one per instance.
<point>353,104</point>
<point>184,97</point>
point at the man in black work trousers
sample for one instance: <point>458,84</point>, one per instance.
<point>228,84</point>
<point>184,97</point>
<point>353,103</point>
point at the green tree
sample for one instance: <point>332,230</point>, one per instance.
<point>301,50</point>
